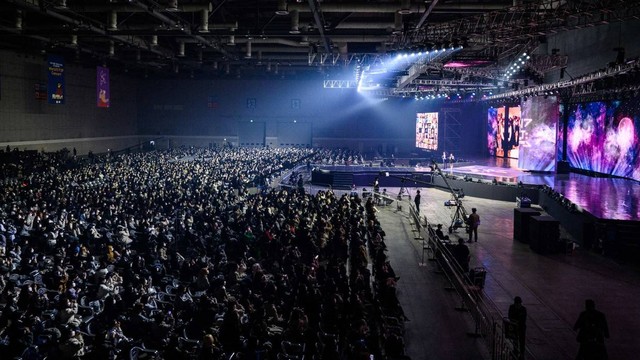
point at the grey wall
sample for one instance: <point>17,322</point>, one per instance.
<point>201,111</point>
<point>28,123</point>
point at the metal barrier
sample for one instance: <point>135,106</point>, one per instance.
<point>488,321</point>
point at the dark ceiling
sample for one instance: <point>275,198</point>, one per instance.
<point>288,38</point>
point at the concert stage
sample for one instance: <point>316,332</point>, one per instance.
<point>596,211</point>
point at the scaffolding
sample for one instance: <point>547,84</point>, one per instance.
<point>452,130</point>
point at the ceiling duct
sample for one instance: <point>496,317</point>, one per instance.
<point>204,21</point>
<point>172,5</point>
<point>295,22</point>
<point>282,8</point>
<point>247,55</point>
<point>232,40</point>
<point>19,20</point>
<point>113,21</point>
<point>60,4</point>
<point>398,25</point>
<point>154,40</point>
<point>405,7</point>
<point>181,47</point>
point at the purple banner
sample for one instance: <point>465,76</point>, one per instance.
<point>55,83</point>
<point>102,87</point>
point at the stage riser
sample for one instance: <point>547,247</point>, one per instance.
<point>579,224</point>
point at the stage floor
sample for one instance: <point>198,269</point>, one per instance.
<point>605,198</point>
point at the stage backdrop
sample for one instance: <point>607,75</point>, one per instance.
<point>603,137</point>
<point>535,134</point>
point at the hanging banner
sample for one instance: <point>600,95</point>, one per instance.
<point>55,83</point>
<point>102,87</point>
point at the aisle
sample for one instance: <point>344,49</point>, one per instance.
<point>435,330</point>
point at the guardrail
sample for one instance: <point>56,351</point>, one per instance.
<point>489,324</point>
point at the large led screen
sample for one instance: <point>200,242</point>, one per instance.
<point>535,133</point>
<point>503,131</point>
<point>495,116</point>
<point>603,137</point>
<point>427,130</point>
<point>560,133</point>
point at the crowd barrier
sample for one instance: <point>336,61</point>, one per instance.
<point>488,323</point>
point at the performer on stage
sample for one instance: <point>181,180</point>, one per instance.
<point>452,159</point>
<point>444,158</point>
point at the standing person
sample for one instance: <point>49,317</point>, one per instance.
<point>444,158</point>
<point>462,255</point>
<point>592,330</point>
<point>518,315</point>
<point>473,221</point>
<point>452,159</point>
<point>416,200</point>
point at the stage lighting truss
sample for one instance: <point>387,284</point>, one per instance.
<point>579,85</point>
<point>516,66</point>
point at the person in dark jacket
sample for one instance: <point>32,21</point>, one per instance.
<point>592,329</point>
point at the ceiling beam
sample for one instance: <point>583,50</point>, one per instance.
<point>319,24</point>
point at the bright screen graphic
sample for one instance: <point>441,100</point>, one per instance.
<point>427,131</point>
<point>536,133</point>
<point>560,133</point>
<point>495,119</point>
<point>603,137</point>
<point>503,132</point>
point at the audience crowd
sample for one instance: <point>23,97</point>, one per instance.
<point>170,255</point>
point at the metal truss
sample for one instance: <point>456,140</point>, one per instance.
<point>339,84</point>
<point>546,63</point>
<point>583,85</point>
<point>530,20</point>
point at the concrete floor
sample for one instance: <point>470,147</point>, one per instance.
<point>553,287</point>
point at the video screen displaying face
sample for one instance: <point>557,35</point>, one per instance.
<point>503,132</point>
<point>535,133</point>
<point>603,137</point>
<point>427,131</point>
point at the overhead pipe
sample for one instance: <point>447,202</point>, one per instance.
<point>172,23</point>
<point>34,6</point>
<point>367,25</point>
<point>204,21</point>
<point>398,25</point>
<point>181,48</point>
<point>282,9</point>
<point>405,7</point>
<point>295,22</point>
<point>417,7</point>
<point>281,49</point>
<point>112,20</point>
<point>134,8</point>
<point>279,41</point>
<point>247,55</point>
<point>18,19</point>
<point>354,38</point>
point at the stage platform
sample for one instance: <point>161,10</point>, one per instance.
<point>597,212</point>
<point>601,197</point>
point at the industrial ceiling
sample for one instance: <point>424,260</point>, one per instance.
<point>292,38</point>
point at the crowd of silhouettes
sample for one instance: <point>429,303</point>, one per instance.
<point>168,254</point>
